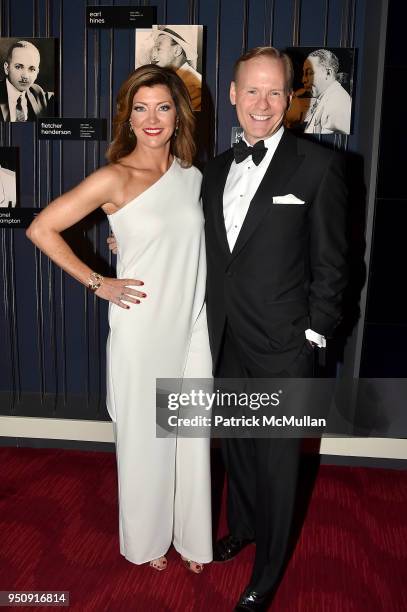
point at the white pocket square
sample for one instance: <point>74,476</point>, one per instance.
<point>287,199</point>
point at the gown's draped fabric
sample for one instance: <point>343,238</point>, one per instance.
<point>164,483</point>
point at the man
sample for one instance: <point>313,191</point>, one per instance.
<point>8,188</point>
<point>20,98</point>
<point>275,236</point>
<point>331,110</point>
<point>171,49</point>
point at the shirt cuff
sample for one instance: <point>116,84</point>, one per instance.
<point>318,339</point>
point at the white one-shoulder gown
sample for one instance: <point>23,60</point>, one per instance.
<point>164,483</point>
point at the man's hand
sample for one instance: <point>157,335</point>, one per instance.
<point>112,244</point>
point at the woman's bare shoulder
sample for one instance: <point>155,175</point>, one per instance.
<point>116,177</point>
<point>111,178</point>
<point>110,172</point>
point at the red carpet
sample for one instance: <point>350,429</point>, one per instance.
<point>58,531</point>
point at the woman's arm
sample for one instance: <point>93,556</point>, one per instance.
<point>45,232</point>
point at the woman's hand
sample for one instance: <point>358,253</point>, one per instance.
<point>112,244</point>
<point>119,290</point>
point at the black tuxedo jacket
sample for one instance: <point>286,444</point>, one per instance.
<point>287,270</point>
<point>40,103</point>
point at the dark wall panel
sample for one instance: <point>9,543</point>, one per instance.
<point>385,340</point>
<point>313,24</point>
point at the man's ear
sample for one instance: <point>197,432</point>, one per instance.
<point>289,99</point>
<point>232,93</point>
<point>5,66</point>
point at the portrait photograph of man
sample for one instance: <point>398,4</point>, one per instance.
<point>27,79</point>
<point>236,135</point>
<point>178,46</point>
<point>323,84</point>
<point>8,177</point>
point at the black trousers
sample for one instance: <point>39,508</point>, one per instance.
<point>262,474</point>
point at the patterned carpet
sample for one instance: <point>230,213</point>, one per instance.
<point>58,531</point>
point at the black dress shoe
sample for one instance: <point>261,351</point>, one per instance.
<point>251,600</point>
<point>228,547</point>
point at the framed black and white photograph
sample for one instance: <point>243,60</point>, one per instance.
<point>236,135</point>
<point>8,177</point>
<point>323,90</point>
<point>178,46</point>
<point>27,78</point>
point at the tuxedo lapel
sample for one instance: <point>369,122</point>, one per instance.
<point>5,113</point>
<point>283,165</point>
<point>33,107</point>
<point>217,208</point>
<point>4,109</point>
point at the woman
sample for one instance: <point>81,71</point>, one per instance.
<point>150,192</point>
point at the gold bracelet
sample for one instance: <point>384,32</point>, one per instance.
<point>95,281</point>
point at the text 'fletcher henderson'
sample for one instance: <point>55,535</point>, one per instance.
<point>207,400</point>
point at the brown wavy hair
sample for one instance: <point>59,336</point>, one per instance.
<point>183,144</point>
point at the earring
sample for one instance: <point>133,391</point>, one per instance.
<point>130,128</point>
<point>176,127</point>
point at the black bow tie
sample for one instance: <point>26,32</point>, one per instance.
<point>241,151</point>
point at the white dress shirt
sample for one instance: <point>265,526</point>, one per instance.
<point>330,112</point>
<point>7,188</point>
<point>242,183</point>
<point>13,94</point>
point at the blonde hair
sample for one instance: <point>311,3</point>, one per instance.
<point>272,53</point>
